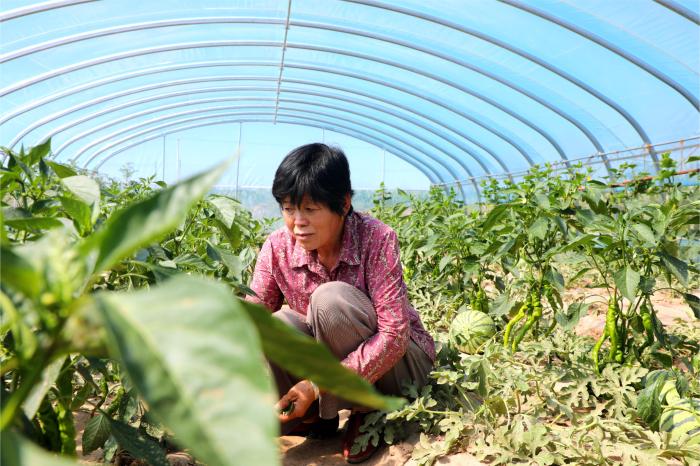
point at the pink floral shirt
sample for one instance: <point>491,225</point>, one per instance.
<point>369,260</point>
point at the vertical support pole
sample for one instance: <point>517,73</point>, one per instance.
<point>383,166</point>
<point>681,166</point>
<point>238,160</point>
<point>163,178</point>
<point>178,160</point>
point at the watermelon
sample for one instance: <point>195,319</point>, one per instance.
<point>682,420</point>
<point>470,330</point>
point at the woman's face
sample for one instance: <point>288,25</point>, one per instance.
<point>313,224</point>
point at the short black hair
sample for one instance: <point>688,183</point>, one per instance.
<point>318,170</point>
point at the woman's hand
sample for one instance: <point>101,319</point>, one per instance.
<point>296,401</point>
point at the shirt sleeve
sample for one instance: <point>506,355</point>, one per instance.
<point>387,291</point>
<point>264,284</point>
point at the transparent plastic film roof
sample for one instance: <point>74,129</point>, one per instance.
<point>458,90</point>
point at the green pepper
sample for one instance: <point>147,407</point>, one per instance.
<point>536,308</point>
<point>611,329</point>
<point>482,301</point>
<point>596,349</point>
<point>289,409</point>
<point>516,318</point>
<point>648,324</point>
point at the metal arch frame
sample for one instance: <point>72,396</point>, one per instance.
<point>316,25</point>
<point>609,46</point>
<point>46,6</point>
<point>499,134</point>
<point>130,91</point>
<point>235,107</point>
<point>284,53</point>
<point>190,92</point>
<point>225,99</point>
<point>201,117</point>
<point>409,119</point>
<point>185,46</point>
<point>372,3</point>
<point>680,10</point>
<point>425,169</point>
<point>289,90</point>
<point>358,135</point>
<point>463,64</point>
<point>459,184</point>
<point>412,120</point>
<point>303,111</point>
<point>156,24</point>
<point>522,53</point>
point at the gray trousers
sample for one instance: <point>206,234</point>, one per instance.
<point>341,317</point>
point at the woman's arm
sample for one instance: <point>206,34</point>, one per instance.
<point>387,291</point>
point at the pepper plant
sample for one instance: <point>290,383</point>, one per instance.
<point>183,345</point>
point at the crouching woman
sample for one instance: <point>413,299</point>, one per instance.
<point>340,273</point>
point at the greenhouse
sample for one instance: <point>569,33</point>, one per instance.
<point>510,187</point>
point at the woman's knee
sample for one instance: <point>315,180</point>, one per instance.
<point>330,295</point>
<point>292,319</point>
<point>338,306</point>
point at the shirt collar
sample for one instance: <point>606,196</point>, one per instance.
<point>349,252</point>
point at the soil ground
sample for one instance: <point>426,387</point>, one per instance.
<point>298,451</point>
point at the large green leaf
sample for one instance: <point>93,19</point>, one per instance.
<point>79,212</point>
<point>143,222</point>
<point>195,357</point>
<point>694,303</point>
<point>17,451</point>
<point>573,245</point>
<point>38,152</point>
<point>444,261</point>
<point>39,390</point>
<point>568,320</point>
<point>96,433</point>
<point>61,170</point>
<point>231,261</point>
<point>305,357</point>
<point>539,228</point>
<point>650,399</point>
<point>33,223</point>
<point>138,444</point>
<point>627,281</point>
<point>677,267</point>
<point>494,216</point>
<point>644,233</point>
<point>19,273</point>
<point>84,188</point>
<point>225,209</point>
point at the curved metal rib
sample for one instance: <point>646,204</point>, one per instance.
<point>197,102</point>
<point>32,9</point>
<point>236,107</point>
<point>151,50</point>
<point>286,90</point>
<point>92,116</point>
<point>205,90</point>
<point>518,51</point>
<point>426,170</point>
<point>317,25</point>
<point>694,101</point>
<point>677,8</point>
<point>389,136</point>
<point>434,100</point>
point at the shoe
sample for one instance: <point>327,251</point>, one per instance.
<point>319,429</point>
<point>353,431</point>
